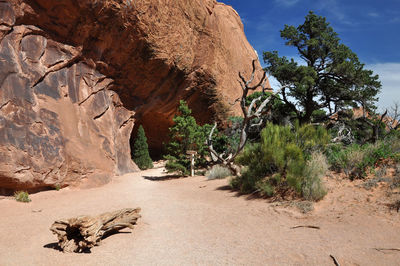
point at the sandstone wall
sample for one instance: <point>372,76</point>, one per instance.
<point>59,122</point>
<point>76,76</point>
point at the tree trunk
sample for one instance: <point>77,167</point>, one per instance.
<point>84,232</point>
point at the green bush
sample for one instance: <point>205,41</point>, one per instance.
<point>141,151</point>
<point>355,159</point>
<point>279,161</point>
<point>22,196</point>
<point>312,187</point>
<point>218,172</point>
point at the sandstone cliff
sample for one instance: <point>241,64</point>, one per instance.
<point>77,76</point>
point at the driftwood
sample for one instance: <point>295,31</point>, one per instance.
<point>82,233</point>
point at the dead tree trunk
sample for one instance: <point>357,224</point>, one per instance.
<point>84,232</point>
<point>249,114</point>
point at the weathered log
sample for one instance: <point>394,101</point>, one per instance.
<point>84,232</point>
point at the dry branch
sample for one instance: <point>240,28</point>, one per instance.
<point>334,260</point>
<point>249,113</point>
<point>306,226</point>
<point>84,232</point>
<point>387,249</point>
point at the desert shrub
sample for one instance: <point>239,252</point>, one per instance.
<point>179,164</point>
<point>265,188</point>
<point>373,182</point>
<point>354,163</point>
<point>186,134</point>
<point>336,156</point>
<point>395,182</point>
<point>381,172</point>
<point>278,163</point>
<point>200,172</point>
<point>304,206</point>
<point>232,135</point>
<point>141,151</point>
<point>218,172</point>
<point>355,159</point>
<point>312,187</point>
<point>363,129</point>
<point>22,196</point>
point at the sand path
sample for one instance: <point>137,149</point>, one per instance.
<point>193,221</point>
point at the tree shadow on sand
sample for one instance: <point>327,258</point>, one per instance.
<point>238,194</point>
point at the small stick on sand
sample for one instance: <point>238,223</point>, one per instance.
<point>306,226</point>
<point>387,249</point>
<point>334,260</point>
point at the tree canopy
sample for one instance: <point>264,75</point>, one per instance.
<point>332,77</point>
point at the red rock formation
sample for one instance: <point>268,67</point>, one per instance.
<point>64,65</point>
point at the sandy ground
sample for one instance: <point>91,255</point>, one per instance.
<point>192,221</point>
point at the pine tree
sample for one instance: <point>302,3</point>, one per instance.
<point>185,135</point>
<point>141,151</point>
<point>331,79</point>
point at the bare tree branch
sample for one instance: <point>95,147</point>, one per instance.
<point>394,115</point>
<point>249,113</point>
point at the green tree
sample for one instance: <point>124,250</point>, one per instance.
<point>186,135</point>
<point>332,77</point>
<point>141,151</point>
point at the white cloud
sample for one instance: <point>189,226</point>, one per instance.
<point>335,9</point>
<point>389,75</point>
<point>373,15</point>
<point>287,3</point>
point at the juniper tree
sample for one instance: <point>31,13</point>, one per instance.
<point>141,151</point>
<point>185,135</point>
<point>332,78</point>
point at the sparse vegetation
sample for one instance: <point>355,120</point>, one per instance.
<point>304,206</point>
<point>22,196</point>
<point>355,159</point>
<point>381,172</point>
<point>218,172</point>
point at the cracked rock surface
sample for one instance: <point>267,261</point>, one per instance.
<point>59,121</point>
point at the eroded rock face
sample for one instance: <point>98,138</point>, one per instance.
<point>59,122</point>
<point>75,75</point>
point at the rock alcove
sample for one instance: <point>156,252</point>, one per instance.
<point>78,77</point>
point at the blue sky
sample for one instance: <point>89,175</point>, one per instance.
<point>371,28</point>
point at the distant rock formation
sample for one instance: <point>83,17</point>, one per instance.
<point>77,76</point>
